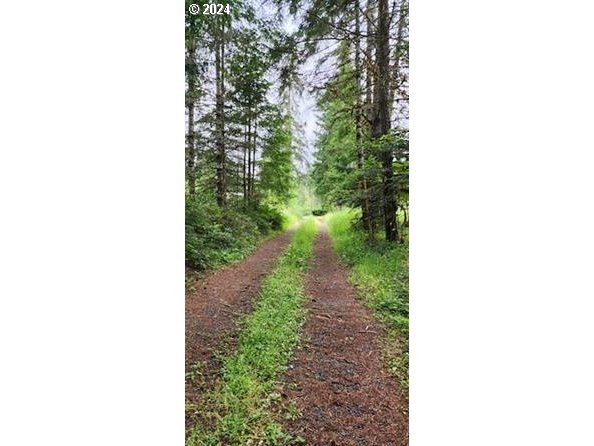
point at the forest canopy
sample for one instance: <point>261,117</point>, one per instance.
<point>245,73</point>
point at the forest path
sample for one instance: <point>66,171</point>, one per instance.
<point>338,380</point>
<point>213,309</point>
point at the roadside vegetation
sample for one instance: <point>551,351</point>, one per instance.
<point>243,140</point>
<point>380,272</point>
<point>237,408</point>
<point>216,237</point>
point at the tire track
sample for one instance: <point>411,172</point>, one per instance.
<point>338,380</point>
<point>213,310</point>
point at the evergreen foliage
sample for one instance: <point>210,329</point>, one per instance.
<point>241,137</point>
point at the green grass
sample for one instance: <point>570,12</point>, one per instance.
<point>291,218</point>
<point>239,406</point>
<point>380,272</point>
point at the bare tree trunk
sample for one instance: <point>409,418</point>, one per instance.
<point>254,158</point>
<point>221,190</point>
<point>191,136</point>
<point>402,15</point>
<point>370,49</point>
<point>191,151</point>
<point>369,105</point>
<point>237,176</point>
<point>245,146</point>
<point>364,202</point>
<point>249,150</point>
<point>381,122</point>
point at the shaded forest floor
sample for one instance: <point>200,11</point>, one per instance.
<point>337,390</point>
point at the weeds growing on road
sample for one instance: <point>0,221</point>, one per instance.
<point>238,405</point>
<point>380,272</point>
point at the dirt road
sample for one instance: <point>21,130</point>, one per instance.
<point>338,381</point>
<point>345,395</point>
<point>213,310</point>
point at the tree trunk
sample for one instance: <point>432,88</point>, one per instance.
<point>245,146</point>
<point>221,191</point>
<point>405,212</point>
<point>369,106</point>
<point>191,136</point>
<point>402,15</point>
<point>253,192</point>
<point>364,200</point>
<point>381,122</point>
<point>249,164</point>
<point>191,151</point>
<point>370,49</point>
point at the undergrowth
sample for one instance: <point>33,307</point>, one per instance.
<point>380,272</point>
<point>216,237</point>
<point>238,406</point>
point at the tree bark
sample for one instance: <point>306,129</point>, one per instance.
<point>402,14</point>
<point>370,49</point>
<point>253,192</point>
<point>191,152</point>
<point>191,136</point>
<point>381,122</point>
<point>221,191</point>
<point>245,146</point>
<point>364,200</point>
<point>249,164</point>
<point>370,14</point>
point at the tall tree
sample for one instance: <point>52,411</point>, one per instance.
<point>383,61</point>
<point>220,112</point>
<point>277,177</point>
<point>195,30</point>
<point>190,110</point>
<point>381,122</point>
<point>364,198</point>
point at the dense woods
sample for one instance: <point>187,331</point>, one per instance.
<point>240,142</point>
<point>244,75</point>
<point>362,152</point>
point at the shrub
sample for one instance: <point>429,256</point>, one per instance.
<point>267,218</point>
<point>319,212</point>
<point>215,237</point>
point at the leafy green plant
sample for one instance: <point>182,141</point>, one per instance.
<point>293,412</point>
<point>216,237</point>
<point>195,371</point>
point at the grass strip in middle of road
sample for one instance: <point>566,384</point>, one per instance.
<point>269,335</point>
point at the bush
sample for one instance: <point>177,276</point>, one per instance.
<point>319,212</point>
<point>215,237</point>
<point>267,218</point>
